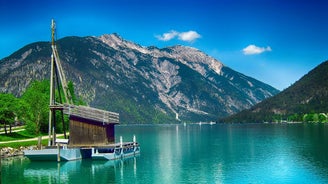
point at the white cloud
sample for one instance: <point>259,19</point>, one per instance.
<point>253,49</point>
<point>188,36</point>
<point>167,36</point>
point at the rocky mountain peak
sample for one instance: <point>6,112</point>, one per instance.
<point>144,84</point>
<point>195,59</point>
<point>115,41</point>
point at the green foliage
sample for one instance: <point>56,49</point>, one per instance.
<point>76,100</point>
<point>132,113</point>
<point>71,91</point>
<point>37,99</point>
<point>315,118</point>
<point>31,126</point>
<point>295,118</point>
<point>10,109</point>
<point>323,118</point>
<point>32,108</point>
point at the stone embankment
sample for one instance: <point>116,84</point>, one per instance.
<point>10,152</point>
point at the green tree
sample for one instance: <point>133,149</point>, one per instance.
<point>322,118</point>
<point>308,117</point>
<point>315,118</point>
<point>36,98</point>
<point>293,117</point>
<point>10,109</point>
<point>76,100</point>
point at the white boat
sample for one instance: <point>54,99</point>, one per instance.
<point>116,151</point>
<point>54,154</point>
<point>206,123</point>
<point>107,152</point>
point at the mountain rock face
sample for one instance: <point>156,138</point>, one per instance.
<point>143,84</point>
<point>307,95</point>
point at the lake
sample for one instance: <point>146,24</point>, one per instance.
<point>221,153</point>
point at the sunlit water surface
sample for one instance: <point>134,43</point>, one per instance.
<point>248,153</point>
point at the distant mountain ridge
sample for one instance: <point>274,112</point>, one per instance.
<point>144,84</point>
<point>308,95</point>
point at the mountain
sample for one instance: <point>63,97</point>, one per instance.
<point>307,95</point>
<point>143,84</point>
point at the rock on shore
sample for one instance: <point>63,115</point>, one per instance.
<point>10,152</point>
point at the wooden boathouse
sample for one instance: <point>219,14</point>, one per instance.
<point>91,126</point>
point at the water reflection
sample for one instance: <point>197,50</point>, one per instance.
<point>79,171</point>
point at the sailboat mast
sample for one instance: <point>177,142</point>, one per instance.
<point>57,76</point>
<point>52,87</point>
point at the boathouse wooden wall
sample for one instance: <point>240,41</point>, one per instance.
<point>85,132</point>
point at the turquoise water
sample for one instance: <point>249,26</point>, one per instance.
<point>251,153</point>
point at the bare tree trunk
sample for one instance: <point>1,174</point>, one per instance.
<point>39,142</point>
<point>5,125</point>
<point>37,130</point>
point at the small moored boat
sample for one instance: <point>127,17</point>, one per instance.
<point>116,151</point>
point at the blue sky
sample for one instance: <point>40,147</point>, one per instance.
<point>274,41</point>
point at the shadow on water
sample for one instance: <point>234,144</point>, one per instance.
<point>314,145</point>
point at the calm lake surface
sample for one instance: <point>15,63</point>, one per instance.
<point>248,153</point>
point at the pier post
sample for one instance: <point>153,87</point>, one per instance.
<point>121,145</point>
<point>58,155</point>
<point>39,143</point>
<point>134,144</point>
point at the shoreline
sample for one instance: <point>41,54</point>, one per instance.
<point>13,152</point>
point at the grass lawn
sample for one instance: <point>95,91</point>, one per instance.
<point>24,144</point>
<point>21,135</point>
<point>2,129</point>
<point>16,136</point>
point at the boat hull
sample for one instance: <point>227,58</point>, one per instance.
<point>109,152</point>
<point>116,153</point>
<point>54,154</point>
